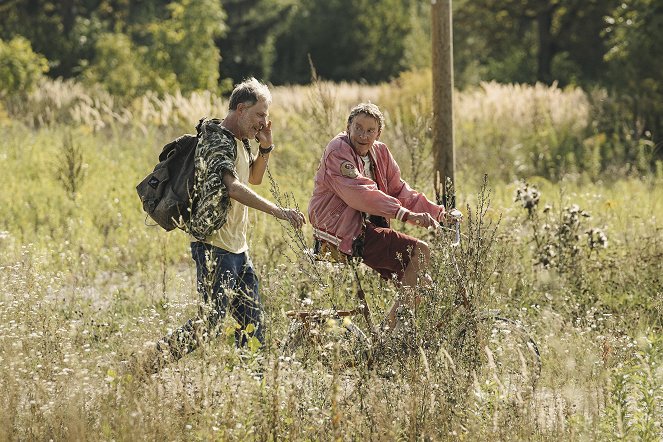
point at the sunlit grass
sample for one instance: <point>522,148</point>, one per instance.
<point>85,284</point>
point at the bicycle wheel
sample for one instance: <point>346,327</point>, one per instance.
<point>336,343</point>
<point>498,352</point>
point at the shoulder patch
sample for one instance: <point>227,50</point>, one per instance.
<point>349,170</point>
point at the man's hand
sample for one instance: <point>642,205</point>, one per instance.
<point>423,220</point>
<point>264,136</point>
<point>293,216</point>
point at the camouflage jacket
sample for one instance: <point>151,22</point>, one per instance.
<point>215,155</point>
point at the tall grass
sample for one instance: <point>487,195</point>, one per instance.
<point>86,284</point>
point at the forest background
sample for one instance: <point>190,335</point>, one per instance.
<point>128,49</point>
<point>559,103</point>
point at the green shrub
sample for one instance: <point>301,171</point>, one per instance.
<point>120,68</point>
<point>168,60</point>
<point>20,67</point>
<point>191,57</point>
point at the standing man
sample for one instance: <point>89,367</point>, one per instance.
<point>224,166</point>
<point>357,191</point>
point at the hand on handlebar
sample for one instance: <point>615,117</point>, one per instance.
<point>453,217</point>
<point>424,220</point>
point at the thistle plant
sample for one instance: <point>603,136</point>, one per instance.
<point>557,236</point>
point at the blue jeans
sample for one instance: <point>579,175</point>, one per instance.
<point>226,281</point>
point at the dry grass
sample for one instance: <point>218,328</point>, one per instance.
<point>85,285</point>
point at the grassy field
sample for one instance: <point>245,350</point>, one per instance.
<point>572,251</point>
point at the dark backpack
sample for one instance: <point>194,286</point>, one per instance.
<point>167,192</point>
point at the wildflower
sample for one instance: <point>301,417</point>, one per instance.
<point>596,238</point>
<point>528,196</point>
<point>547,256</point>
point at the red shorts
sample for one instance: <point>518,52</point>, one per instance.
<point>387,251</point>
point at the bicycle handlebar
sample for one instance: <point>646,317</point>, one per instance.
<point>455,216</point>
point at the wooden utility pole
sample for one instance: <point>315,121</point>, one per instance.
<point>443,87</point>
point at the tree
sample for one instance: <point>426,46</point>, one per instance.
<point>56,29</point>
<point>176,52</point>
<point>417,44</point>
<point>174,39</point>
<point>533,40</point>
<point>184,43</point>
<point>20,67</point>
<point>120,68</point>
<point>248,48</point>
<point>635,61</point>
<point>346,39</point>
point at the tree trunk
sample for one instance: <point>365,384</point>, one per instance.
<point>546,50</point>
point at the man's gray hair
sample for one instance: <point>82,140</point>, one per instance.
<point>249,91</point>
<point>368,109</point>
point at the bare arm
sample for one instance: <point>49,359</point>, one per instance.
<point>244,195</point>
<point>258,169</point>
<point>259,166</point>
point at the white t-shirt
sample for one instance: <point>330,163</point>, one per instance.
<point>232,235</point>
<point>368,168</point>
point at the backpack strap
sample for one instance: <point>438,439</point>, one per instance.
<point>199,126</point>
<point>227,131</point>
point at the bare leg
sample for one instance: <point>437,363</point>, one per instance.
<point>419,261</point>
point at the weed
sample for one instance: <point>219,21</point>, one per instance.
<point>556,237</point>
<point>70,170</point>
<point>636,395</point>
<point>83,288</point>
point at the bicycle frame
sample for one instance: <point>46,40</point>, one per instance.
<point>363,308</point>
<point>507,349</point>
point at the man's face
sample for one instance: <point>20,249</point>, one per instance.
<point>253,118</point>
<point>363,131</point>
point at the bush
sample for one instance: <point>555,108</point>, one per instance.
<point>20,67</point>
<point>119,68</point>
<point>192,57</point>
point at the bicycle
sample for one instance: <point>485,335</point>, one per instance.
<point>509,356</point>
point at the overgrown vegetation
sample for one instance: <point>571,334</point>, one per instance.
<point>86,283</point>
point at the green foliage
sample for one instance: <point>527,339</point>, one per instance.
<point>70,170</point>
<point>20,67</point>
<point>52,28</point>
<point>119,67</point>
<point>249,49</point>
<point>86,284</point>
<point>634,44</point>
<point>172,58</point>
<point>636,396</point>
<point>184,44</point>
<point>529,41</point>
<point>634,59</point>
<point>621,140</point>
<point>417,45</point>
<point>346,39</point>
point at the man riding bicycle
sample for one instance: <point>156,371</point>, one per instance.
<point>357,191</point>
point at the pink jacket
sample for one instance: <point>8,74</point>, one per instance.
<point>341,193</point>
